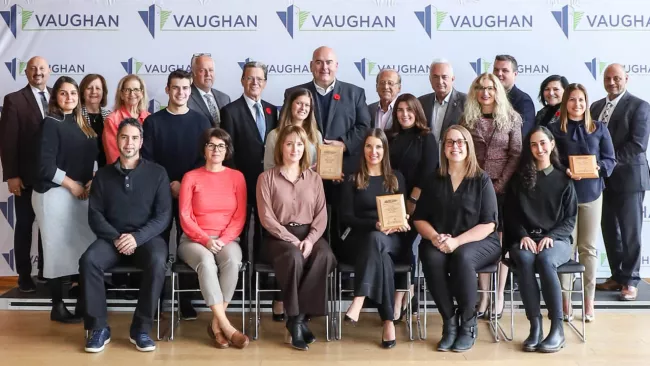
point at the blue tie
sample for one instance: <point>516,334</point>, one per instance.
<point>260,120</point>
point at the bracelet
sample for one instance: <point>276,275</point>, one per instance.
<point>412,200</point>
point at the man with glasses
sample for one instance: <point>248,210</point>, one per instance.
<point>445,105</point>
<point>506,69</point>
<point>172,136</point>
<point>389,84</point>
<point>628,120</point>
<point>205,99</point>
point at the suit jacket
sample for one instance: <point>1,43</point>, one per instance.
<point>197,103</point>
<point>348,119</point>
<point>237,120</point>
<point>454,109</point>
<point>20,127</point>
<point>522,103</point>
<point>372,109</point>
<point>629,126</point>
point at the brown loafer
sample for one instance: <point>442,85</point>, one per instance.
<point>609,285</point>
<point>220,341</point>
<point>239,339</point>
<point>628,293</point>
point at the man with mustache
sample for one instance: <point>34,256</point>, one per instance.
<point>389,84</point>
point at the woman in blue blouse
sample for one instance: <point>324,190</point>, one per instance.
<point>577,133</point>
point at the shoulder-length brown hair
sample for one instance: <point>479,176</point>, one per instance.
<point>285,132</point>
<point>420,118</point>
<point>55,110</point>
<point>142,106</point>
<point>590,126</point>
<point>362,178</point>
<point>309,124</point>
<point>472,170</point>
<point>84,85</point>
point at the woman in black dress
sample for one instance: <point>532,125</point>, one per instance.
<point>371,248</point>
<point>456,217</point>
<point>93,97</point>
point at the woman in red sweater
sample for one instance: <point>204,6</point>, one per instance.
<point>212,207</point>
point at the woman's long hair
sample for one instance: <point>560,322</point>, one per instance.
<point>55,110</point>
<point>362,178</point>
<point>309,124</point>
<point>590,126</point>
<point>527,167</point>
<point>505,117</point>
<point>472,169</point>
<point>563,81</point>
<point>420,118</point>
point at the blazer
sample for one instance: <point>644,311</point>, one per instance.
<point>372,109</point>
<point>629,126</point>
<point>237,120</point>
<point>197,103</point>
<point>20,126</point>
<point>522,103</point>
<point>347,120</point>
<point>454,109</point>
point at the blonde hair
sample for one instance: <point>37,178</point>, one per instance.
<point>285,132</point>
<point>505,117</point>
<point>472,169</point>
<point>590,126</point>
<point>119,103</point>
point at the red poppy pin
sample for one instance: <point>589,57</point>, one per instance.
<point>557,114</point>
<point>337,97</point>
<point>268,110</point>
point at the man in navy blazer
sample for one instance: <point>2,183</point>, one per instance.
<point>203,95</point>
<point>506,69</point>
<point>628,120</point>
<point>340,108</point>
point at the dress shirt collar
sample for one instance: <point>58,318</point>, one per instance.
<point>548,170</point>
<point>250,102</point>
<point>323,91</point>
<point>278,171</point>
<point>444,101</point>
<point>390,106</point>
<point>616,100</point>
<point>36,91</point>
<point>202,93</point>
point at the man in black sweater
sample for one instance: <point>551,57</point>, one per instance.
<point>171,139</point>
<point>129,208</point>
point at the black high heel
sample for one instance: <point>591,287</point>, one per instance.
<point>295,335</point>
<point>277,317</point>
<point>348,319</point>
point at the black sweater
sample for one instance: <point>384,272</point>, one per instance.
<point>138,202</point>
<point>64,147</point>
<point>414,155</point>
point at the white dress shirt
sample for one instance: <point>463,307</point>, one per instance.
<point>323,91</point>
<point>614,103</point>
<point>439,111</point>
<point>251,106</point>
<point>385,119</point>
<point>37,95</point>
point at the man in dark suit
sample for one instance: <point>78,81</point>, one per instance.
<point>204,98</point>
<point>506,69</point>
<point>20,125</point>
<point>389,84</point>
<point>340,108</point>
<point>628,121</point>
<point>445,105</point>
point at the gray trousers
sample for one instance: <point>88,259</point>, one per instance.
<point>218,273</point>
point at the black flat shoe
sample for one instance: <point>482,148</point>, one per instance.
<point>61,314</point>
<point>388,344</point>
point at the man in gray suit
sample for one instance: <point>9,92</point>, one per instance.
<point>389,84</point>
<point>445,105</point>
<point>628,120</point>
<point>204,98</point>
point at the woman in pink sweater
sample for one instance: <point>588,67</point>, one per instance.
<point>212,207</point>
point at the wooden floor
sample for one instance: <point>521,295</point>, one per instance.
<point>30,338</point>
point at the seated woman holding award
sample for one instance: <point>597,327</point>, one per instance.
<point>588,143</point>
<point>540,208</point>
<point>456,216</point>
<point>371,246</point>
<point>291,206</point>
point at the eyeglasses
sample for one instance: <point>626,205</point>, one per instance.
<point>490,89</point>
<point>131,91</point>
<point>213,147</point>
<point>459,142</point>
<point>387,82</point>
<point>250,79</point>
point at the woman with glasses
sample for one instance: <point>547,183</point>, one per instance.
<point>130,102</point>
<point>456,216</point>
<point>212,206</point>
<point>94,94</point>
<point>550,94</point>
<point>496,132</point>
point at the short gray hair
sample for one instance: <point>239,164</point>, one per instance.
<point>399,77</point>
<point>253,65</point>
<point>441,61</point>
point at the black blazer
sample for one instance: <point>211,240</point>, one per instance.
<point>454,109</point>
<point>522,103</point>
<point>629,127</point>
<point>197,103</point>
<point>20,127</point>
<point>348,119</point>
<point>248,146</point>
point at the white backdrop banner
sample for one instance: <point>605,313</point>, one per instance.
<point>576,38</point>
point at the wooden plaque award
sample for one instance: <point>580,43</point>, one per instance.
<point>329,162</point>
<point>583,166</point>
<point>391,211</point>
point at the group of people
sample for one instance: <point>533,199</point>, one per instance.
<point>483,178</point>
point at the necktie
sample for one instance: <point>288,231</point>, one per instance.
<point>260,120</point>
<point>607,113</point>
<point>43,103</point>
<point>212,107</point>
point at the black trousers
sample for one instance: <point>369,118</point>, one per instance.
<point>621,224</point>
<point>23,235</point>
<point>150,257</point>
<point>303,281</point>
<point>454,275</point>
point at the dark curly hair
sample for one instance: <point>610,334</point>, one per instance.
<point>527,169</point>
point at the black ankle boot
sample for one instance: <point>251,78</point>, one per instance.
<point>536,334</point>
<point>61,314</point>
<point>555,340</point>
<point>449,333</point>
<point>296,337</point>
<point>307,334</point>
<point>467,334</point>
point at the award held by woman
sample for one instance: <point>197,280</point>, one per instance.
<point>391,211</point>
<point>329,163</point>
<point>583,166</point>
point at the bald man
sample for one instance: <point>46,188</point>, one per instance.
<point>628,120</point>
<point>205,99</point>
<point>389,85</point>
<point>22,114</point>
